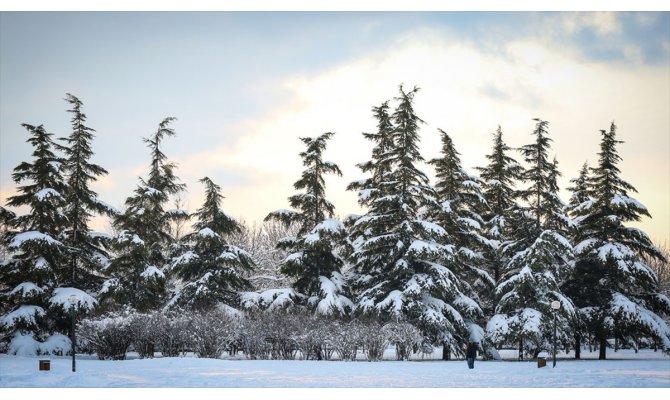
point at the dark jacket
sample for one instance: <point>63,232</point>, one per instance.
<point>471,351</point>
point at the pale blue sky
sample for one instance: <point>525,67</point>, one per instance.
<point>228,76</point>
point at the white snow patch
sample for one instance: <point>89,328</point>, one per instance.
<point>47,193</point>
<point>61,297</point>
<point>29,236</point>
<point>152,271</point>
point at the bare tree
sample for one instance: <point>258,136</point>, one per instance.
<point>661,268</point>
<point>260,242</point>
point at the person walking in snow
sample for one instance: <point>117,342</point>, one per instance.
<point>471,353</point>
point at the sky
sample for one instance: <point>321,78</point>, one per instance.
<point>245,86</point>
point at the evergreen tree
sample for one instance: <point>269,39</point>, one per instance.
<point>461,202</point>
<point>136,273</point>
<point>400,257</point>
<point>314,260</point>
<point>540,258</point>
<point>381,161</point>
<point>89,255</point>
<point>579,195</point>
<point>211,270</point>
<point>616,291</point>
<point>499,178</point>
<point>38,257</point>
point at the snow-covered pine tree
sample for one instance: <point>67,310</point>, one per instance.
<point>378,167</point>
<point>461,202</point>
<point>89,254</point>
<point>579,195</point>
<point>211,270</point>
<point>136,273</point>
<point>499,178</point>
<point>314,260</point>
<point>381,161</point>
<point>616,291</point>
<point>579,198</point>
<point>399,257</point>
<point>38,258</point>
<point>540,258</point>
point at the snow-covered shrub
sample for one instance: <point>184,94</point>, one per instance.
<point>253,338</point>
<point>174,327</point>
<point>405,336</point>
<point>146,330</point>
<point>23,345</point>
<point>312,336</point>
<point>281,332</point>
<point>57,345</point>
<point>214,332</point>
<point>373,338</point>
<point>345,338</point>
<point>109,336</point>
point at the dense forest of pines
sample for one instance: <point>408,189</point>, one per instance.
<point>479,257</point>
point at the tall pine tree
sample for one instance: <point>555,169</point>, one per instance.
<point>314,261</point>
<point>38,258</point>
<point>137,276</point>
<point>499,179</point>
<point>540,258</point>
<point>211,270</point>
<point>89,254</point>
<point>400,258</point>
<point>461,202</point>
<point>616,291</point>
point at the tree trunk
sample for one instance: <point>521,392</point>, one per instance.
<point>520,349</point>
<point>578,347</point>
<point>603,349</point>
<point>446,352</point>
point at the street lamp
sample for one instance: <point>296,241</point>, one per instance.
<point>555,305</point>
<point>73,300</point>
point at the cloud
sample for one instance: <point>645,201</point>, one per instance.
<point>603,22</point>
<point>532,78</point>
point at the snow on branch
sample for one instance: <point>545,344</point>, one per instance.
<point>61,297</point>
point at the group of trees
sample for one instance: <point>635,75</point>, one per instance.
<point>468,257</point>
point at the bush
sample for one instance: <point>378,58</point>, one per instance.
<point>110,337</point>
<point>345,339</point>
<point>146,330</point>
<point>405,336</point>
<point>213,332</point>
<point>174,328</point>
<point>253,338</point>
<point>374,339</point>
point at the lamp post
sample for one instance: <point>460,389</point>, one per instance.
<point>555,305</point>
<point>73,300</point>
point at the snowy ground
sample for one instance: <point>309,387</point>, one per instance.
<point>624,369</point>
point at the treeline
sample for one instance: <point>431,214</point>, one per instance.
<point>469,257</point>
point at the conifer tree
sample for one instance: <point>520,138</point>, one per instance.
<point>461,202</point>
<point>579,199</point>
<point>137,276</point>
<point>211,270</point>
<point>499,178</point>
<point>616,291</point>
<point>540,258</point>
<point>579,195</point>
<point>314,261</point>
<point>400,257</point>
<point>37,254</point>
<point>381,161</point>
<point>88,255</point>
